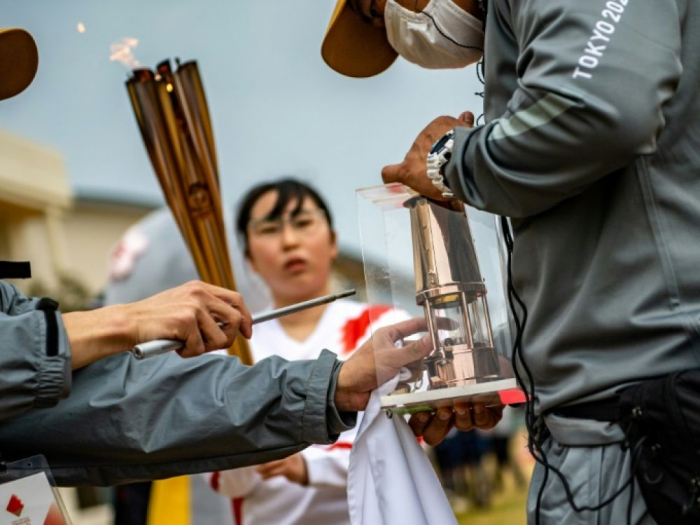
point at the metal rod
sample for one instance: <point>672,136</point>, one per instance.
<point>163,346</point>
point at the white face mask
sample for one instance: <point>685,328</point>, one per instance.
<point>417,37</point>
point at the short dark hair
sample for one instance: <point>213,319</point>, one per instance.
<point>288,190</point>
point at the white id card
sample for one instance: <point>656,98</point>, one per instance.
<point>28,495</point>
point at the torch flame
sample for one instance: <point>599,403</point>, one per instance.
<point>122,52</point>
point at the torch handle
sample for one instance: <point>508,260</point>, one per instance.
<point>163,346</point>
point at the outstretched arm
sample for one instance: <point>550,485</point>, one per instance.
<point>129,420</point>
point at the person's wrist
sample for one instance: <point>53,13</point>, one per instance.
<point>120,328</point>
<point>439,156</point>
<point>347,398</point>
<point>108,330</point>
<point>341,399</point>
<point>96,334</point>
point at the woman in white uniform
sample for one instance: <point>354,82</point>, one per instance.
<point>287,231</point>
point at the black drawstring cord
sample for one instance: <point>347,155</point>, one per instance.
<point>531,421</point>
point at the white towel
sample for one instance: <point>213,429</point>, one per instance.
<point>390,480</point>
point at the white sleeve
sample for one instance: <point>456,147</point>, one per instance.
<point>327,465</point>
<point>236,483</point>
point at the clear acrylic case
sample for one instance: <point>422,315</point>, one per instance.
<point>444,262</point>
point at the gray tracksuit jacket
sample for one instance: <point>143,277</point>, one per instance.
<point>127,420</point>
<point>592,146</point>
<point>32,376</point>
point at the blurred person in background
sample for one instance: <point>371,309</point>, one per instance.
<point>501,440</point>
<point>286,235</point>
<point>459,458</point>
<point>288,238</point>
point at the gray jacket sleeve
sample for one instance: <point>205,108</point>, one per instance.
<point>34,373</point>
<point>592,79</point>
<point>130,420</point>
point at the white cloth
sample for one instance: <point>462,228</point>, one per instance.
<point>390,479</point>
<point>344,326</point>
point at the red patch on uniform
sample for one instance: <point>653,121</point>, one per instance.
<point>15,506</point>
<point>237,505</point>
<point>356,328</point>
<point>214,481</point>
<point>340,445</point>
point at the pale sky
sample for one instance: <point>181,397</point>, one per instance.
<point>277,108</point>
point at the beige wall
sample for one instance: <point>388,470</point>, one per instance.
<point>33,176</point>
<point>93,228</point>
<point>43,222</point>
<point>35,194</point>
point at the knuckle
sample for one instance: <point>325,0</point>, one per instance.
<point>230,331</point>
<point>198,346</point>
<point>463,423</point>
<point>186,318</point>
<point>196,289</point>
<point>221,341</point>
<point>190,285</point>
<point>489,425</point>
<point>196,310</point>
<point>416,350</point>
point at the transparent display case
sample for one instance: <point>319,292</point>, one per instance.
<point>441,261</point>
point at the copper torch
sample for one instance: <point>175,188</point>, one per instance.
<point>172,114</point>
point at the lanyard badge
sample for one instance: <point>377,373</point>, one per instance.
<point>28,494</point>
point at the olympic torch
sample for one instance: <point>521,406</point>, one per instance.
<point>172,114</point>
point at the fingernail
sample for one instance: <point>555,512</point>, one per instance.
<point>444,415</point>
<point>423,418</point>
<point>460,410</point>
<point>478,409</point>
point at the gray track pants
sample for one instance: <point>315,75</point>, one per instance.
<point>589,455</point>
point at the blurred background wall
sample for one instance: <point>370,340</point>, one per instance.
<point>67,235</point>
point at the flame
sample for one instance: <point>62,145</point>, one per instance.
<point>122,52</point>
<point>81,27</point>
